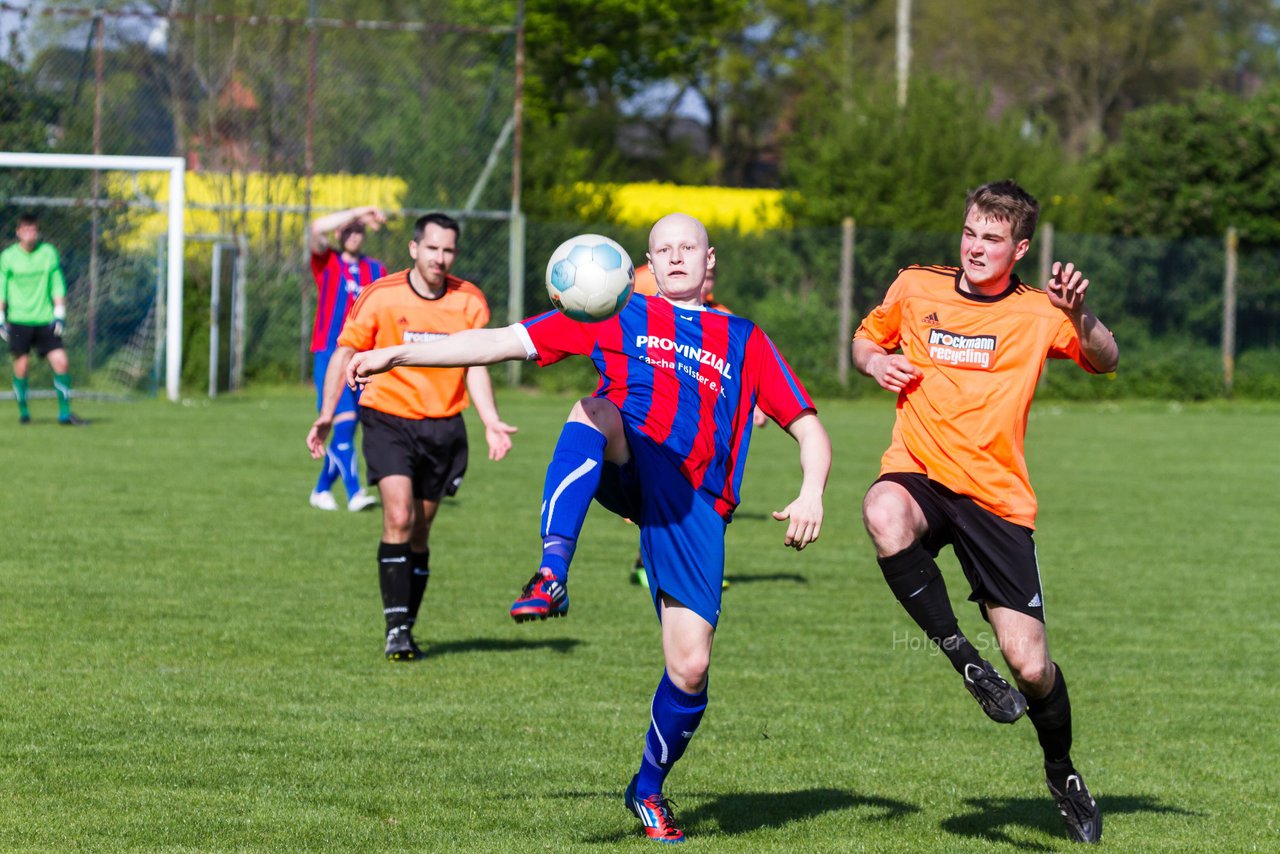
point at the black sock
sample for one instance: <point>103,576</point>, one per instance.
<point>421,564</point>
<point>394,577</point>
<point>915,580</point>
<point>1051,716</point>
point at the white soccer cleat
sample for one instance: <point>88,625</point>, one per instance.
<point>323,501</point>
<point>360,501</point>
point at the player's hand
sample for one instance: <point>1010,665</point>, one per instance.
<point>893,372</point>
<point>498,437</point>
<point>1066,287</point>
<point>373,219</point>
<point>759,419</point>
<point>58,326</point>
<point>804,518</point>
<point>363,366</point>
<point>317,435</point>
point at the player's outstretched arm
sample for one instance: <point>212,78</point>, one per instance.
<point>892,371</point>
<point>459,350</point>
<point>804,514</point>
<point>1066,289</point>
<point>497,433</point>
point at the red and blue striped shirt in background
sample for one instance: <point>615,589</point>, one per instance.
<point>337,286</point>
<point>687,378</point>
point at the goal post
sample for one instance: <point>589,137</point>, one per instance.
<point>176,167</point>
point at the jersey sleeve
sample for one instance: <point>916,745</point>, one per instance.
<point>57,282</point>
<point>361,327</point>
<point>1066,345</point>
<point>478,310</point>
<point>555,336</point>
<point>320,260</point>
<point>780,395</point>
<point>883,325</point>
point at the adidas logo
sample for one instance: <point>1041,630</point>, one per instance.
<point>932,319</point>
<point>1035,601</point>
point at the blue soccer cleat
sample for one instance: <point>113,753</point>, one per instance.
<point>654,813</point>
<point>544,596</point>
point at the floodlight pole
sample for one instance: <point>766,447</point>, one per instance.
<point>176,168</point>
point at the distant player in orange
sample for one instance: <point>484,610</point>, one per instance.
<point>415,444</point>
<point>963,349</point>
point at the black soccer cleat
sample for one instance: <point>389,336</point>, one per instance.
<point>1079,810</point>
<point>400,645</point>
<point>1003,703</point>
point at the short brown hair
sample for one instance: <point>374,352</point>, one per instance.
<point>1007,202</point>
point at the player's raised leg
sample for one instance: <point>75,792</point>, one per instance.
<point>1025,646</point>
<point>896,524</point>
<point>592,435</point>
<point>677,709</point>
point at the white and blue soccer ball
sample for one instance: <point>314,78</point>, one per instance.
<point>590,278</point>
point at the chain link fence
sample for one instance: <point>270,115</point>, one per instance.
<point>282,112</point>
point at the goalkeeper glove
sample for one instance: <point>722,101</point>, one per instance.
<point>4,328</point>
<point>59,319</point>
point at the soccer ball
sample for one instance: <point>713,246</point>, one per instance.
<point>590,278</point>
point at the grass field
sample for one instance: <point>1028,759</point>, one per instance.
<point>191,656</point>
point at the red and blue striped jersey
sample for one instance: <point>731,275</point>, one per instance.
<point>687,378</point>
<point>337,286</point>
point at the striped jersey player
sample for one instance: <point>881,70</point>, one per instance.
<point>663,441</point>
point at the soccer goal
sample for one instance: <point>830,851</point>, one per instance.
<point>131,328</point>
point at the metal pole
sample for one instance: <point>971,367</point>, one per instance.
<point>95,217</point>
<point>848,233</point>
<point>904,49</point>
<point>215,312</point>
<point>304,289</point>
<point>1046,265</point>
<point>238,300</point>
<point>515,254</point>
<point>1229,311</point>
<point>173,328</point>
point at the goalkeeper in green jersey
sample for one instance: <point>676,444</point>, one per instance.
<point>33,311</point>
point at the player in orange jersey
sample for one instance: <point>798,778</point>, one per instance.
<point>963,349</point>
<point>415,444</point>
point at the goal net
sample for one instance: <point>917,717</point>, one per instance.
<point>120,242</point>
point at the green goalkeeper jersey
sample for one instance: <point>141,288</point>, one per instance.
<point>29,283</point>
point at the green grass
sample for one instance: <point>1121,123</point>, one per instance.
<point>191,655</point>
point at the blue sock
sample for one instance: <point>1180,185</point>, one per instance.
<point>674,719</point>
<point>572,478</point>
<point>339,457</point>
<point>343,449</point>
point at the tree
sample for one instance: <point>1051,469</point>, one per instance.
<point>910,168</point>
<point>1085,63</point>
<point>1194,169</point>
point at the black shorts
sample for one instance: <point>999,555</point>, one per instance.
<point>997,556</point>
<point>431,452</point>
<point>23,337</point>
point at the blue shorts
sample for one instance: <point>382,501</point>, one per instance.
<point>681,534</point>
<point>347,402</point>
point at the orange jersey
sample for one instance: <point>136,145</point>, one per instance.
<point>646,282</point>
<point>391,312</point>
<point>963,423</point>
